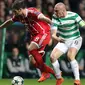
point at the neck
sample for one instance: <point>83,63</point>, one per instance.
<point>25,12</point>
<point>65,13</point>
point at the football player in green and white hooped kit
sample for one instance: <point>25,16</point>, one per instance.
<point>66,23</point>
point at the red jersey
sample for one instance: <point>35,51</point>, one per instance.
<point>31,21</point>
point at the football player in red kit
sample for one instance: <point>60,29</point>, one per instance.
<point>38,26</point>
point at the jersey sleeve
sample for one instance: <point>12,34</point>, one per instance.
<point>78,18</point>
<point>80,21</point>
<point>54,23</point>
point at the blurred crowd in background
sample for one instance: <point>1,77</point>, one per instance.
<point>15,39</point>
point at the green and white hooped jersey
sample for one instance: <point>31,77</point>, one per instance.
<point>68,27</point>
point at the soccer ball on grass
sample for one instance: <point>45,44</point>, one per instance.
<point>17,80</point>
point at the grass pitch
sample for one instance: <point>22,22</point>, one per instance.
<point>34,82</point>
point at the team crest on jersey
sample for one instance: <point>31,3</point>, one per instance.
<point>37,38</point>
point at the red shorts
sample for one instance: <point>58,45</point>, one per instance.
<point>41,40</point>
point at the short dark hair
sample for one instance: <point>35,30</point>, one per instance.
<point>18,4</point>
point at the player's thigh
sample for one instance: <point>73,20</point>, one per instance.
<point>41,40</point>
<point>45,39</point>
<point>74,48</point>
<point>58,50</point>
<point>34,44</point>
<point>72,53</point>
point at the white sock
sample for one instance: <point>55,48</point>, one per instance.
<point>56,68</point>
<point>75,69</point>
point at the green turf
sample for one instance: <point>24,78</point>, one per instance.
<point>34,82</point>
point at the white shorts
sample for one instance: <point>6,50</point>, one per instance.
<point>76,43</point>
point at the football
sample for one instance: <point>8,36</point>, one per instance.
<point>17,80</point>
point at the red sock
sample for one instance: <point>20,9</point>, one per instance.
<point>43,67</point>
<point>49,69</point>
<point>38,58</point>
<point>34,63</point>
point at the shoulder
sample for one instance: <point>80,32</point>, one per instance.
<point>32,9</point>
<point>70,13</point>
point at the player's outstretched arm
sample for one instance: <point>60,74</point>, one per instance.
<point>6,23</point>
<point>44,18</point>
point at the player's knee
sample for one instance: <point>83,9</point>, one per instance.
<point>70,57</point>
<point>30,48</point>
<point>53,58</point>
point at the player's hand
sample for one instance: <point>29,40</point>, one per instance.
<point>60,40</point>
<point>27,46</point>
